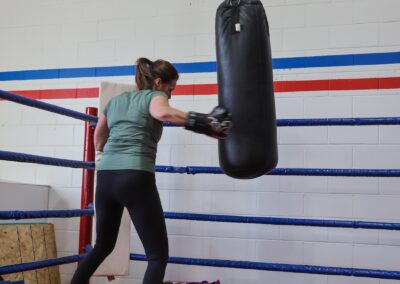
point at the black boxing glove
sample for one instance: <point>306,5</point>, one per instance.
<point>216,124</point>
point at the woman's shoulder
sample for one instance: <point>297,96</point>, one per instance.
<point>138,95</point>
<point>129,93</point>
<point>148,94</point>
<point>125,95</point>
<point>154,93</point>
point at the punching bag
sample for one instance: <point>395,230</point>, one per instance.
<point>245,83</point>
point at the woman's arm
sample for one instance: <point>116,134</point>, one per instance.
<point>101,133</point>
<point>216,124</point>
<point>162,111</point>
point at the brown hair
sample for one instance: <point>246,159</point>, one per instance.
<point>147,71</point>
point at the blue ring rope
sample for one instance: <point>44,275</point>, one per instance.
<point>337,172</point>
<point>365,121</point>
<point>329,122</point>
<point>339,121</point>
<point>27,158</point>
<point>14,268</point>
<point>45,106</point>
<point>6,215</point>
<point>381,274</point>
<point>17,215</point>
<point>284,221</point>
<point>290,172</point>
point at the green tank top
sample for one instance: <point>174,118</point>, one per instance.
<point>134,133</point>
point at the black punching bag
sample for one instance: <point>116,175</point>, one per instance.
<point>245,84</point>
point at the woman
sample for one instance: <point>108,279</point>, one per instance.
<point>127,133</point>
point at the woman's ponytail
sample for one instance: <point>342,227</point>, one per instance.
<point>144,78</point>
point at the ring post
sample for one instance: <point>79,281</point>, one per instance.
<point>85,229</point>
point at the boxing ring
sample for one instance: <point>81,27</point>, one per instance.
<point>87,211</point>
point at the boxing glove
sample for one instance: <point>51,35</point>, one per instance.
<point>216,124</point>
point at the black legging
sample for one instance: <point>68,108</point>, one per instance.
<point>137,191</point>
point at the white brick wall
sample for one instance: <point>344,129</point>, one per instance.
<point>305,38</point>
<point>326,107</point>
<point>280,252</point>
<point>328,205</point>
<point>337,255</point>
<point>353,185</point>
<point>362,35</point>
<point>388,35</point>
<point>280,204</point>
<point>386,257</point>
<point>353,135</point>
<point>328,156</point>
<point>328,14</point>
<point>303,135</point>
<point>346,235</point>
<point>62,34</point>
<point>371,106</point>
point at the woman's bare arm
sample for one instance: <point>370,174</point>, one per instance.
<point>101,133</point>
<point>161,110</point>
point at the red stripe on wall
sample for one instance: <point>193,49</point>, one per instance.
<point>87,93</point>
<point>212,89</point>
<point>205,89</point>
<point>337,85</point>
<point>298,86</point>
<point>59,93</point>
<point>200,89</point>
<point>183,90</point>
<point>354,84</point>
<point>389,83</point>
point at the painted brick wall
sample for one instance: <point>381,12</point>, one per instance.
<point>61,34</point>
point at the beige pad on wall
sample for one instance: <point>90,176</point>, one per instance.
<point>117,263</point>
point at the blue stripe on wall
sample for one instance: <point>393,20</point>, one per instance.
<point>198,67</point>
<point>201,67</point>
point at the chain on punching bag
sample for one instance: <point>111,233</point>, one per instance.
<point>245,84</point>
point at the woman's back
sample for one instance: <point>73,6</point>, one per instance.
<point>134,133</point>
